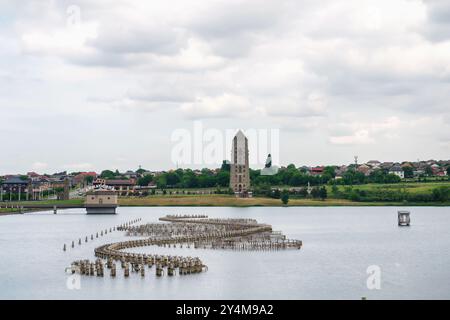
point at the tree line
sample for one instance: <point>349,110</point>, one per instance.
<point>288,176</point>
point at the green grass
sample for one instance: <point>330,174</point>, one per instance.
<point>4,210</point>
<point>71,202</point>
<point>232,201</point>
<point>413,187</point>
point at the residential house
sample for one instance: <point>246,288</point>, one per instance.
<point>123,186</point>
<point>340,171</point>
<point>374,164</point>
<point>14,185</point>
<point>364,169</point>
<point>386,165</point>
<point>397,170</point>
<point>130,174</point>
<point>317,170</point>
<point>81,177</point>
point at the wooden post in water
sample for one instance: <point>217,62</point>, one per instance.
<point>113,270</point>
<point>159,270</point>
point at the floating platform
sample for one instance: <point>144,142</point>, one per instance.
<point>404,218</point>
<point>101,209</point>
<point>101,201</point>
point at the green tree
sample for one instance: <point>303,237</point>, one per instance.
<point>323,193</point>
<point>352,177</point>
<point>172,179</point>
<point>255,177</point>
<point>276,194</point>
<point>409,172</point>
<point>89,179</point>
<point>392,178</point>
<point>225,166</point>
<point>223,178</point>
<point>354,195</point>
<point>315,193</point>
<point>285,197</point>
<point>264,189</point>
<point>428,171</point>
<point>334,189</point>
<point>161,181</point>
<point>145,180</point>
<point>298,179</point>
<point>140,171</point>
<point>330,170</point>
<point>107,174</point>
<point>190,180</point>
<point>441,194</point>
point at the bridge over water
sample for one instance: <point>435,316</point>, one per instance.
<point>21,207</point>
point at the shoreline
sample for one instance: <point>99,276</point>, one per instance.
<point>233,202</point>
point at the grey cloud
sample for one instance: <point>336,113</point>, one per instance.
<point>234,18</point>
<point>267,56</point>
<point>167,94</point>
<point>232,28</point>
<point>124,39</point>
<point>438,23</point>
<point>101,59</point>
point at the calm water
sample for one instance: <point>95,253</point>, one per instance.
<point>339,244</point>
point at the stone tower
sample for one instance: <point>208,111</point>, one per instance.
<point>239,168</point>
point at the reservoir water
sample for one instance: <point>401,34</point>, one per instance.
<point>339,245</point>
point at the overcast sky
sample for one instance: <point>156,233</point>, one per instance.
<point>89,85</point>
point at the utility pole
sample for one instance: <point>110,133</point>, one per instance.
<point>356,161</point>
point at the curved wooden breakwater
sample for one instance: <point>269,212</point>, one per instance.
<point>104,232</point>
<point>196,231</point>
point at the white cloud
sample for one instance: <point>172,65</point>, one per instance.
<point>223,106</point>
<point>359,73</point>
<point>196,56</point>
<point>313,105</point>
<point>364,132</point>
<point>62,41</point>
<point>39,166</point>
<point>359,137</point>
<point>78,166</point>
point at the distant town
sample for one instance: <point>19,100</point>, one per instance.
<point>141,182</point>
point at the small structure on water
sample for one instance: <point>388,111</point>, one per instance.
<point>101,201</point>
<point>403,218</point>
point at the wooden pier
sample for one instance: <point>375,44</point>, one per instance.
<point>194,231</point>
<point>90,209</point>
